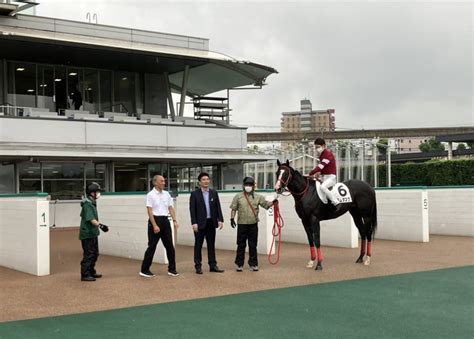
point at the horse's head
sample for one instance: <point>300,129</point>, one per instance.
<point>284,174</point>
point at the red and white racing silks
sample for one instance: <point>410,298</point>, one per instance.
<point>327,163</point>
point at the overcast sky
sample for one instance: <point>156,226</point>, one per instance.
<point>378,64</point>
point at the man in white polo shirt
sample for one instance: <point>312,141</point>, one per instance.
<point>158,204</point>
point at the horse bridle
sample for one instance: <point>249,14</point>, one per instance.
<point>285,183</point>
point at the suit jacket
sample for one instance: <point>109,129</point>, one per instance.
<point>197,208</point>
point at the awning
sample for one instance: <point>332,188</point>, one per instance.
<point>209,71</point>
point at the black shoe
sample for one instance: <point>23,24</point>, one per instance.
<point>88,278</point>
<point>199,270</point>
<point>97,275</point>
<point>216,269</point>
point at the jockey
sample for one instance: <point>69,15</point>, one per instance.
<point>326,170</point>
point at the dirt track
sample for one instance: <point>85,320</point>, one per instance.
<point>24,296</point>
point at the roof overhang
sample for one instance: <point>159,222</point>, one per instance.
<point>63,154</point>
<point>209,71</point>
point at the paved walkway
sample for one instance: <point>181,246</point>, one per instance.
<point>24,296</point>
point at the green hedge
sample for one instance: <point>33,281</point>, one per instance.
<point>431,173</point>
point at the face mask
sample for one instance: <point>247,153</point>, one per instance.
<point>248,189</point>
<point>97,195</point>
<point>319,150</point>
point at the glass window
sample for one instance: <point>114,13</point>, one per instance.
<point>46,87</point>
<point>63,181</point>
<point>75,88</point>
<point>7,178</point>
<point>124,92</point>
<point>158,169</point>
<point>130,177</point>
<point>105,91</point>
<point>21,84</point>
<point>91,90</point>
<point>2,77</point>
<point>30,177</point>
<point>60,90</point>
<point>95,172</point>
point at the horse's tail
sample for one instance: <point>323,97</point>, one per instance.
<point>373,218</point>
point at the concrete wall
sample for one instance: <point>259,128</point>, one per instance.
<point>452,211</point>
<point>65,213</point>
<point>90,133</point>
<point>339,232</point>
<point>227,237</point>
<point>403,215</point>
<point>24,234</point>
<point>127,219</point>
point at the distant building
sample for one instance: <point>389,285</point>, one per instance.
<point>409,144</point>
<point>307,119</point>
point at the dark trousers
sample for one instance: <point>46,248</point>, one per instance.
<point>165,234</point>
<point>208,233</point>
<point>90,248</point>
<point>247,232</point>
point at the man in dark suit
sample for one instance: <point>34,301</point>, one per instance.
<point>206,216</point>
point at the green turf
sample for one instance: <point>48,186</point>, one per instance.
<point>433,304</point>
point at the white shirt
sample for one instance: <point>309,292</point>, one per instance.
<point>159,202</point>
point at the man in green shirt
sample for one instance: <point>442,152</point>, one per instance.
<point>89,232</point>
<point>247,205</point>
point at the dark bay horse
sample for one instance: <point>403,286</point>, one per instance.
<point>312,210</point>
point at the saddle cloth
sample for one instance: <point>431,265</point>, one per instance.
<point>340,191</point>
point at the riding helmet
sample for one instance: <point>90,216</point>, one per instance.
<point>249,181</point>
<point>93,187</point>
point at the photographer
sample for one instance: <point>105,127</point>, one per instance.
<point>89,232</point>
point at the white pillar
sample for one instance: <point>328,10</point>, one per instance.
<point>450,150</point>
<point>389,165</point>
<point>376,179</point>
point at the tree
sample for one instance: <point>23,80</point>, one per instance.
<point>461,147</point>
<point>431,145</point>
<point>382,146</point>
<point>470,144</point>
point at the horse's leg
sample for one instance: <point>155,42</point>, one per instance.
<point>312,249</point>
<point>360,226</point>
<point>317,241</point>
<point>369,244</point>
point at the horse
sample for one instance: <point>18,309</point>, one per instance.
<point>312,210</point>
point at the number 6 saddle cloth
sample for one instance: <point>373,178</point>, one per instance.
<point>339,190</point>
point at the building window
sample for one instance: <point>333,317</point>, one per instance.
<point>63,181</point>
<point>130,177</point>
<point>124,92</point>
<point>21,84</point>
<point>7,178</point>
<point>29,177</point>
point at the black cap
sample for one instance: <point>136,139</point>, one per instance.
<point>249,181</point>
<point>93,187</point>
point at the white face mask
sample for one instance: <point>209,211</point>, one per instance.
<point>97,195</point>
<point>248,189</point>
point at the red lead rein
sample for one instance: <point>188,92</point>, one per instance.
<point>278,223</point>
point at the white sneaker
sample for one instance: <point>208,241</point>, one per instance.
<point>147,274</point>
<point>254,268</point>
<point>173,273</point>
<point>239,269</point>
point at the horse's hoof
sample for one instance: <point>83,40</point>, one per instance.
<point>360,259</point>
<point>367,261</point>
<point>310,264</point>
<point>319,267</point>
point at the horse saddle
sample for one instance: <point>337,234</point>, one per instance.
<point>339,190</point>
